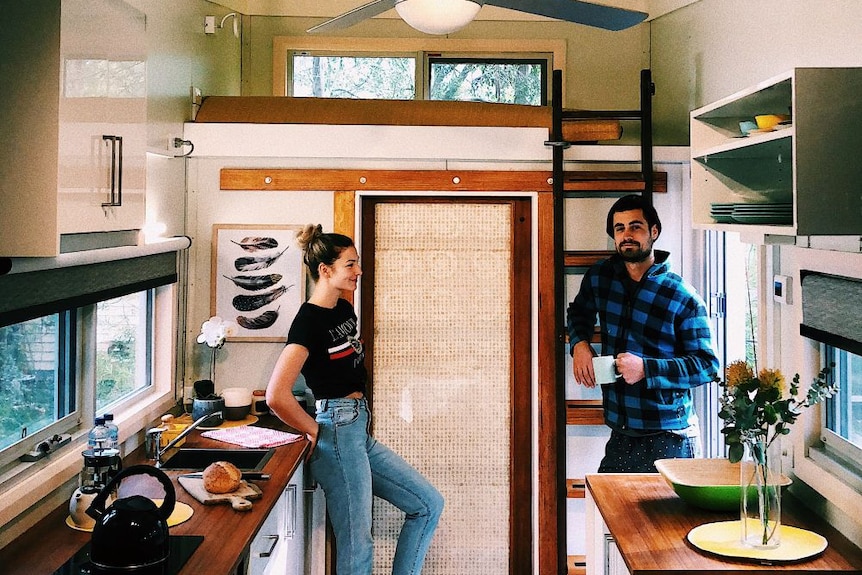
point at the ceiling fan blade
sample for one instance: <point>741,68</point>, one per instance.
<point>597,15</point>
<point>354,16</point>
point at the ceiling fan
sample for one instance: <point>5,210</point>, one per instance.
<point>447,16</point>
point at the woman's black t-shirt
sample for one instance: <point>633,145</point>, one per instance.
<point>336,360</point>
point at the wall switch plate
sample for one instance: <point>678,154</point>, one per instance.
<point>782,289</point>
<point>209,25</point>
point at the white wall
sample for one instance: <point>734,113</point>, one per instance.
<point>711,49</point>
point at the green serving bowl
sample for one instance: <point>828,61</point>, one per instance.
<point>706,483</point>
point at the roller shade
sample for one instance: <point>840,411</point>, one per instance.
<point>38,292</point>
<point>831,311</point>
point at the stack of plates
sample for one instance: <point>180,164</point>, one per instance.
<point>722,213</point>
<point>752,213</point>
<point>763,213</point>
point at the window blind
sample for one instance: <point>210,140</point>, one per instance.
<point>43,291</point>
<point>831,310</point>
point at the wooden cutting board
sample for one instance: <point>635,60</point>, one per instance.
<point>240,499</point>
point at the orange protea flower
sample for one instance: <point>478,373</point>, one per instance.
<point>772,379</point>
<point>738,372</point>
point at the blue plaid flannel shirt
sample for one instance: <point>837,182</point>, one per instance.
<point>663,320</point>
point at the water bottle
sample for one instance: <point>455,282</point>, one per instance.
<point>113,431</point>
<point>99,437</point>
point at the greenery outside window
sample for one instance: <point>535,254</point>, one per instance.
<point>45,384</point>
<point>124,328</point>
<point>507,71</point>
<point>36,377</point>
<point>359,77</point>
<point>498,80</point>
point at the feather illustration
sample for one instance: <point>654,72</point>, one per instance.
<point>252,263</point>
<point>255,283</point>
<point>262,321</point>
<point>255,243</point>
<point>253,302</point>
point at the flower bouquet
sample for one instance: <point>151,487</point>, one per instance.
<point>757,411</point>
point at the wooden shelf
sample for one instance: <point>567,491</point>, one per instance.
<point>584,412</point>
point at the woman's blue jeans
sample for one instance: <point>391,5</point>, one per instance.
<point>351,466</point>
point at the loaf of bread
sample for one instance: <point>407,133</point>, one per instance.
<point>222,477</point>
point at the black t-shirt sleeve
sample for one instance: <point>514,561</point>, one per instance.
<point>300,330</point>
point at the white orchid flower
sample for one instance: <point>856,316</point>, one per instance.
<point>215,331</point>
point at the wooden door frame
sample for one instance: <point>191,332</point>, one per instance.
<point>550,440</point>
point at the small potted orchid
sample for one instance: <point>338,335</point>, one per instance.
<point>214,332</point>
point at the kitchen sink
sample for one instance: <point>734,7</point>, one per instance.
<point>198,458</point>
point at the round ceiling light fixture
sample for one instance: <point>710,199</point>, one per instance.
<point>438,16</point>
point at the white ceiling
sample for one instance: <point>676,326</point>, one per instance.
<point>331,8</point>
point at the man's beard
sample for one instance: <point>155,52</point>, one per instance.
<point>637,256</point>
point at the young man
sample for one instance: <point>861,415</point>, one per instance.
<point>656,327</point>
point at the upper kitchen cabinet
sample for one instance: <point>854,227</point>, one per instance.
<point>75,112</point>
<point>801,177</point>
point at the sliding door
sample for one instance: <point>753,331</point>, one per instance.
<point>445,315</point>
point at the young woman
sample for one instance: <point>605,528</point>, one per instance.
<point>323,344</point>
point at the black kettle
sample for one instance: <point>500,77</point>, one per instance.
<point>132,534</point>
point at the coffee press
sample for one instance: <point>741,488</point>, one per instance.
<point>100,466</point>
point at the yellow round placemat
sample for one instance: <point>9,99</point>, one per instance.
<point>723,538</point>
<point>182,513</point>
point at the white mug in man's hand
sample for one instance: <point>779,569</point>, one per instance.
<point>605,369</point>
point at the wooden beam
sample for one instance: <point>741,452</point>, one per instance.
<point>280,179</point>
<point>384,180</point>
<point>584,412</point>
<point>585,258</point>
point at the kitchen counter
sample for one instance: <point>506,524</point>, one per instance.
<point>649,524</point>
<point>227,533</point>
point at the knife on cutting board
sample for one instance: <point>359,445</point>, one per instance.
<point>246,475</point>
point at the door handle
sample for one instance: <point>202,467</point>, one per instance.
<point>268,552</point>
<point>116,194</point>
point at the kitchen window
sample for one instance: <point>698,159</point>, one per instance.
<point>36,377</point>
<point>842,433</point>
<point>83,334</point>
<point>123,347</point>
<point>44,368</point>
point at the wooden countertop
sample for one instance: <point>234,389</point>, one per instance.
<point>227,533</point>
<point>649,523</point>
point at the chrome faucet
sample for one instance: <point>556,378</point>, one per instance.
<point>154,438</point>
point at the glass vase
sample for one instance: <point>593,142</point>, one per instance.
<point>760,505</point>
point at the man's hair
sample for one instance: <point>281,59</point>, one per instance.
<point>633,202</point>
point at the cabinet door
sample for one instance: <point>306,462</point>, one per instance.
<point>266,552</point>
<point>103,116</point>
<point>294,524</point>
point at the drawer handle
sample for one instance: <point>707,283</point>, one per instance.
<point>292,511</point>
<point>268,553</point>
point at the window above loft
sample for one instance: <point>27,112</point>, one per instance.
<point>501,71</point>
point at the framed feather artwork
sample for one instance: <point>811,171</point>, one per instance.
<point>258,279</point>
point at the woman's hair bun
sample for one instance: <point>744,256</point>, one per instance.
<point>308,235</point>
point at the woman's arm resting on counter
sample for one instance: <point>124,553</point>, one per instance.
<point>279,393</point>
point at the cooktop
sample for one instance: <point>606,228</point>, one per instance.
<point>182,547</point>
